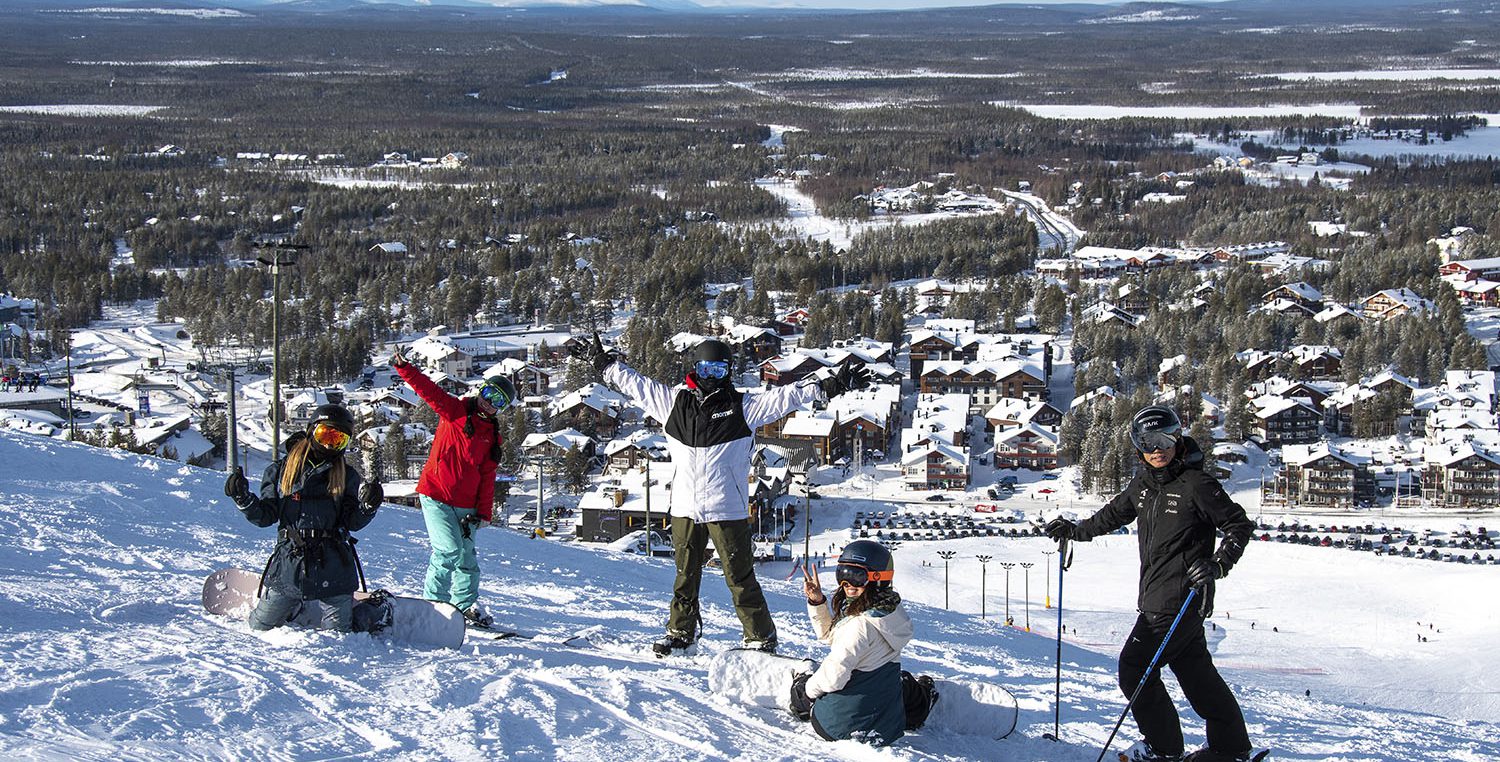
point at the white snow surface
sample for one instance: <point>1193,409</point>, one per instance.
<point>108,655</point>
<point>83,109</point>
<point>1097,111</point>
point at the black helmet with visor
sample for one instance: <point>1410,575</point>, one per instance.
<point>1155,428</point>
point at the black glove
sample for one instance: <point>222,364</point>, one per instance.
<point>591,350</point>
<point>1060,529</point>
<point>398,358</point>
<point>237,487</point>
<point>800,704</point>
<point>1204,571</point>
<point>371,495</point>
<point>851,377</point>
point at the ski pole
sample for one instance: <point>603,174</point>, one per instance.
<point>1192,593</point>
<point>1064,560</point>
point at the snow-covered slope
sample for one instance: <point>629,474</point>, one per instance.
<point>105,653</point>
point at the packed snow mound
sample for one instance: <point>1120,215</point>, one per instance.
<point>108,655</point>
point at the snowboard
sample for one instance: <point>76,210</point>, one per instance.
<point>414,621</point>
<point>764,679</point>
<point>758,678</point>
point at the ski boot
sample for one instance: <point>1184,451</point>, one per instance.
<point>672,645</point>
<point>476,616</point>
<point>1142,752</point>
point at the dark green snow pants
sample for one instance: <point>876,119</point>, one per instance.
<point>732,542</point>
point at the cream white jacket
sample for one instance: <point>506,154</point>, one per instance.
<point>862,642</point>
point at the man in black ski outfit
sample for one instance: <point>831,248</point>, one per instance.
<point>1178,508</point>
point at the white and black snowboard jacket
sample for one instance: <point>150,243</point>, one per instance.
<point>709,437</point>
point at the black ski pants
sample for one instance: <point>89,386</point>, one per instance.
<point>1187,655</point>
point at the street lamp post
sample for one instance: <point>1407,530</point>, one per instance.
<point>984,567</point>
<point>1007,565</point>
<point>1026,567</point>
<point>1049,554</point>
<point>278,258</point>
<point>946,555</point>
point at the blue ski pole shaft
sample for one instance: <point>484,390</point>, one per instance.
<point>1192,593</point>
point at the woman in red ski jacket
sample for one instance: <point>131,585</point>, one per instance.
<point>457,487</point>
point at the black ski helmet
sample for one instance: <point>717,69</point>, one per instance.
<point>1155,427</point>
<point>866,562</point>
<point>712,350</point>
<point>334,415</point>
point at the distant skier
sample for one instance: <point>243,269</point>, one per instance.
<point>860,690</point>
<point>710,429</point>
<point>1178,508</point>
<point>316,499</point>
<point>457,487</point>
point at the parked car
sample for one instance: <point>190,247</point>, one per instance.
<point>940,498</point>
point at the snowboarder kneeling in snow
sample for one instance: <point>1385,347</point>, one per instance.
<point>860,690</point>
<point>317,500</point>
<point>1178,508</point>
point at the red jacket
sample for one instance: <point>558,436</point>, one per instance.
<point>459,470</point>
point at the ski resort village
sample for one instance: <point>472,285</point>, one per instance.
<point>546,381</point>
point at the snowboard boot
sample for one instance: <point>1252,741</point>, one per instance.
<point>671,645</point>
<point>768,646</point>
<point>476,616</point>
<point>932,692</point>
<point>1142,752</point>
<point>1207,754</point>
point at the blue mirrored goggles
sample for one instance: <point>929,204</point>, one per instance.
<point>712,369</point>
<point>495,396</point>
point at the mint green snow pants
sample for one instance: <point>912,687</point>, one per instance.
<point>453,569</point>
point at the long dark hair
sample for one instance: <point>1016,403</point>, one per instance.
<point>471,407</point>
<point>876,596</point>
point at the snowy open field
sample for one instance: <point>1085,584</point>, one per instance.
<point>1092,111</point>
<point>83,109</point>
<point>108,656</point>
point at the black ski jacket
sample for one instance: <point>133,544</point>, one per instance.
<point>314,556</point>
<point>1178,508</point>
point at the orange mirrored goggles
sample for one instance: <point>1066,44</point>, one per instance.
<point>330,437</point>
<point>856,575</point>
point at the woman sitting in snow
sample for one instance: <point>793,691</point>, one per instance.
<point>311,495</point>
<point>860,690</point>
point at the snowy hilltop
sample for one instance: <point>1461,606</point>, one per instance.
<point>108,655</point>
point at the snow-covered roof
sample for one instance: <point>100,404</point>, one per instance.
<point>1269,405</point>
<point>1334,310</point>
<point>998,369</point>
<point>873,403</point>
<point>566,439</point>
<point>390,247</point>
<point>1302,353</point>
<point>919,454</point>
<point>596,396</point>
<point>643,439</point>
<point>1398,298</point>
<point>1303,454</point>
<point>1029,431</point>
<point>1450,453</point>
<point>435,348</point>
<point>1014,409</point>
<point>938,416</point>
<point>804,423</point>
<point>1300,290</point>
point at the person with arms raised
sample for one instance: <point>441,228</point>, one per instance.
<point>710,427</point>
<point>457,486</point>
